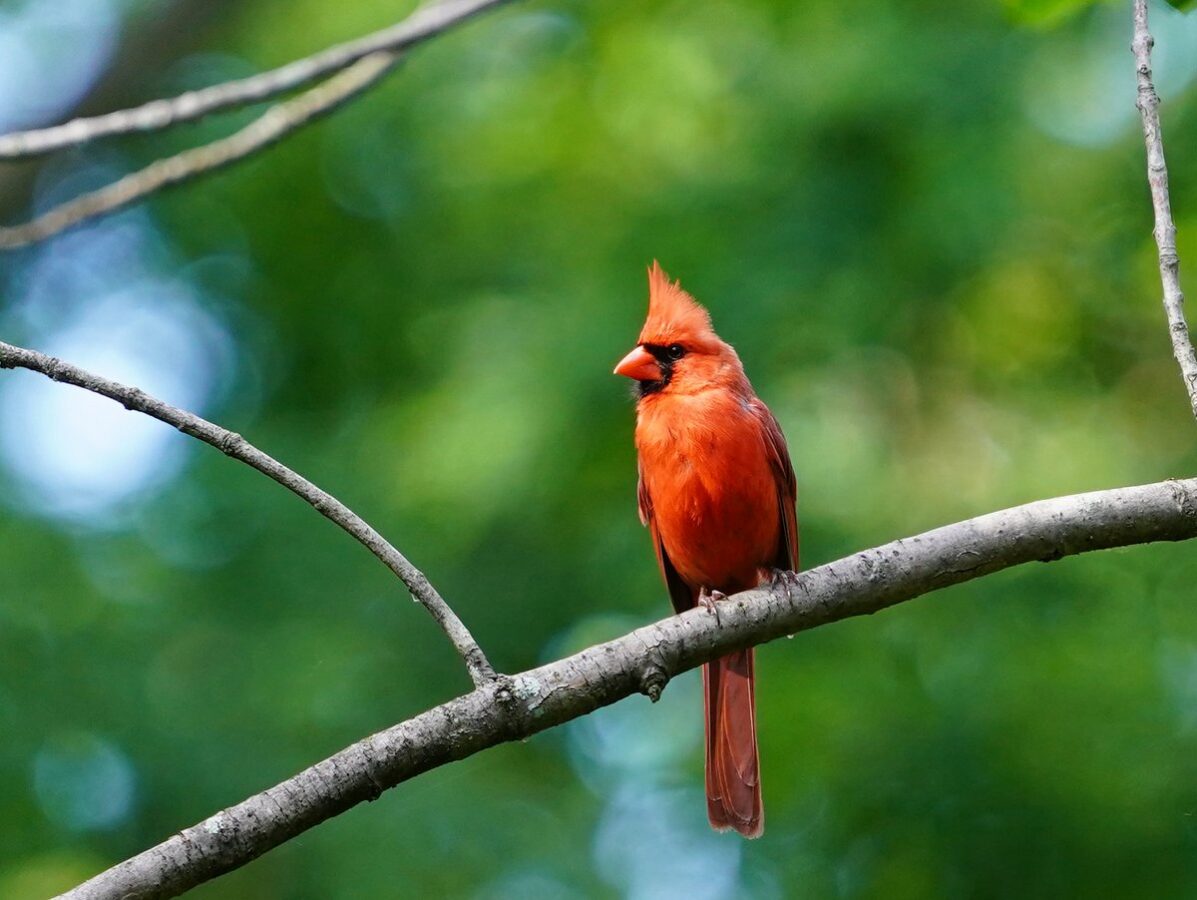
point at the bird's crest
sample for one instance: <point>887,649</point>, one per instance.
<point>672,313</point>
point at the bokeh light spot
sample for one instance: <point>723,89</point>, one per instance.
<point>50,54</point>
<point>79,456</point>
<point>84,782</point>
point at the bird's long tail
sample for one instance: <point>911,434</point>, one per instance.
<point>733,763</point>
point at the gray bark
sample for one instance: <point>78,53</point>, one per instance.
<point>1165,229</point>
<point>425,22</point>
<point>268,129</point>
<point>512,708</point>
<point>234,445</point>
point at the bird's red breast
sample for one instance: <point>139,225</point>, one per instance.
<point>705,461</point>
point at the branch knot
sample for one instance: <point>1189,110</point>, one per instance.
<point>1185,500</point>
<point>653,677</point>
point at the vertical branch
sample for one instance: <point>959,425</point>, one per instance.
<point>1165,229</point>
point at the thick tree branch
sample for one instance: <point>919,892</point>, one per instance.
<point>159,114</point>
<point>232,444</point>
<point>1165,229</point>
<point>512,708</point>
<point>271,127</point>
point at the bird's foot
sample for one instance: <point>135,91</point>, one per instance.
<point>709,600</point>
<point>779,577</point>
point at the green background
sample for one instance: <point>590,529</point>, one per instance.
<point>926,229</point>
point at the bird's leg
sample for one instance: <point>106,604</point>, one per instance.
<point>709,599</point>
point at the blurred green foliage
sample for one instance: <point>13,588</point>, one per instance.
<point>927,232</point>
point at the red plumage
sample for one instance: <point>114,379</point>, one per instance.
<point>717,492</point>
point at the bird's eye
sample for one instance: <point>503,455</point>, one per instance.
<point>675,351</point>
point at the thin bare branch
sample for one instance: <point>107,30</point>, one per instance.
<point>159,114</point>
<point>1165,229</point>
<point>272,126</point>
<point>234,445</point>
<point>513,708</point>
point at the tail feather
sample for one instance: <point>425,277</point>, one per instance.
<point>732,760</point>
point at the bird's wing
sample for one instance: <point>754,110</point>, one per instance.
<point>787,487</point>
<point>680,594</point>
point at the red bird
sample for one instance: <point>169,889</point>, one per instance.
<point>717,492</point>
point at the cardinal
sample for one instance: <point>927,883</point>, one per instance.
<point>717,492</point>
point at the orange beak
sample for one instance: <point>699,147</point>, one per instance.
<point>640,365</point>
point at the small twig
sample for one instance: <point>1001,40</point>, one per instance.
<point>159,114</point>
<point>232,444</point>
<point>514,708</point>
<point>273,125</point>
<point>1165,229</point>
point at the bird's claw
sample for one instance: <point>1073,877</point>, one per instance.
<point>709,601</point>
<point>779,577</point>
